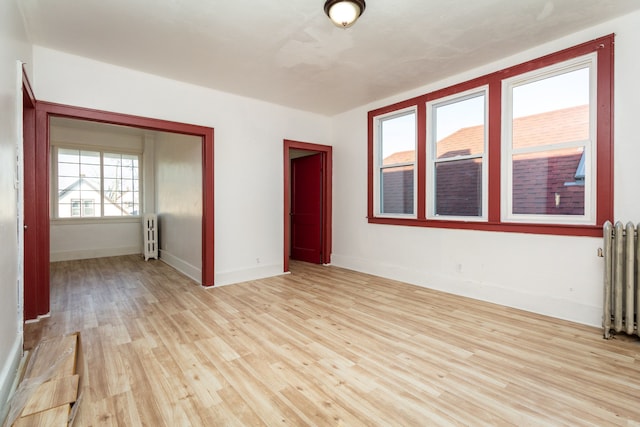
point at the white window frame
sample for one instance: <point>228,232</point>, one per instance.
<point>430,188</point>
<point>590,145</point>
<point>378,158</point>
<point>54,205</point>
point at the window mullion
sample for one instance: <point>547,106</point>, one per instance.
<point>494,154</point>
<point>457,158</point>
<point>101,184</point>
<point>421,161</point>
<point>397,165</point>
<point>551,147</point>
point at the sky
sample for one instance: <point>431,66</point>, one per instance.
<point>554,93</point>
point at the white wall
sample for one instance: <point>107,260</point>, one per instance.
<point>248,148</point>
<point>558,276</point>
<point>178,183</point>
<point>13,47</point>
<point>90,238</point>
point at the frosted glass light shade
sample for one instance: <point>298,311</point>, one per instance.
<point>344,13</point>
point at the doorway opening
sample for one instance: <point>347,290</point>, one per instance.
<point>40,199</point>
<point>307,202</point>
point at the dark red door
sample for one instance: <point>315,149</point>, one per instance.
<point>306,208</point>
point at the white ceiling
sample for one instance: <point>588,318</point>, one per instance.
<point>289,53</point>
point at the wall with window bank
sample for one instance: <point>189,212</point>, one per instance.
<point>560,276</point>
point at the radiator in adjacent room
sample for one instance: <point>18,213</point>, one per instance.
<point>621,293</point>
<point>150,236</point>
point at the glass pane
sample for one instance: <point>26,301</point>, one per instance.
<point>399,139</point>
<point>75,208</point>
<point>111,209</point>
<point>88,208</point>
<point>127,161</point>
<point>459,188</point>
<point>90,157</point>
<point>127,172</point>
<point>127,197</point>
<point>110,171</point>
<point>65,184</point>
<point>397,190</point>
<point>112,185</point>
<point>112,159</point>
<point>69,169</point>
<point>68,155</point>
<point>90,185</point>
<point>127,185</point>
<point>551,110</point>
<point>459,127</point>
<point>548,183</point>
<point>64,210</point>
<point>90,171</point>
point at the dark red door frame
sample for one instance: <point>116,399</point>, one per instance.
<point>327,161</point>
<point>46,110</point>
<point>36,301</point>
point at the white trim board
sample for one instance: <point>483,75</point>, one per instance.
<point>546,305</point>
<point>93,253</point>
<point>181,265</point>
<point>245,275</point>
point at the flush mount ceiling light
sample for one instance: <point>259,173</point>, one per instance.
<point>344,13</point>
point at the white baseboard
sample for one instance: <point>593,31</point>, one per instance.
<point>182,266</point>
<point>536,303</point>
<point>39,318</point>
<point>245,275</point>
<point>8,375</point>
<point>93,253</point>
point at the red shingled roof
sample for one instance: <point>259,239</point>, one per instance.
<point>539,179</point>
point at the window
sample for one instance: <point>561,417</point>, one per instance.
<point>456,156</point>
<point>90,184</point>
<point>525,149</point>
<point>88,208</point>
<point>396,164</point>
<point>548,143</point>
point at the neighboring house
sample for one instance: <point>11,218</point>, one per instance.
<point>397,183</point>
<point>82,199</point>
<point>548,182</point>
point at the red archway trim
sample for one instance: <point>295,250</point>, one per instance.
<point>46,110</point>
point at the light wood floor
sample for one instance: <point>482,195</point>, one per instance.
<point>326,346</point>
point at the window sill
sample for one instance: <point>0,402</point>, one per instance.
<point>552,229</point>
<point>105,220</point>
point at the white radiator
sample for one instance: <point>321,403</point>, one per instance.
<point>621,291</point>
<point>150,236</point>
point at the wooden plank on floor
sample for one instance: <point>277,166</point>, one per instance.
<point>51,394</point>
<point>53,417</point>
<point>58,351</point>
